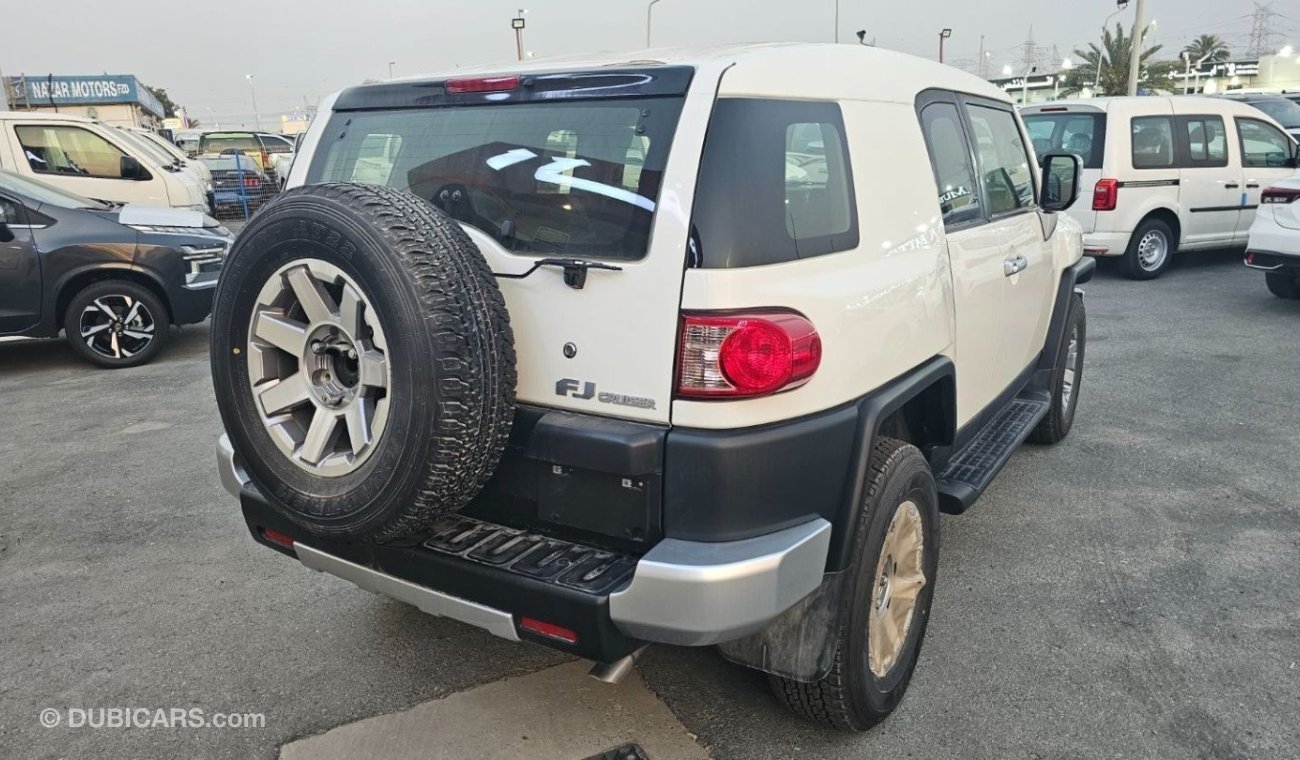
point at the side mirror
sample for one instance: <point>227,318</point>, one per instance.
<point>1062,173</point>
<point>132,169</point>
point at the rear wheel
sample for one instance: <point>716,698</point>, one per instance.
<point>116,324</point>
<point>895,556</point>
<point>1283,285</point>
<point>1149,250</point>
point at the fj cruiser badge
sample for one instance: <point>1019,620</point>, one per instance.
<point>584,390</point>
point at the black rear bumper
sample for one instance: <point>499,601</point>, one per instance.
<point>456,560</point>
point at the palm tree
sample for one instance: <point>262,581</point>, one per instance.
<point>1105,68</point>
<point>1207,47</point>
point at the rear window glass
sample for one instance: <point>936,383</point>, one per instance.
<point>1153,142</point>
<point>1083,134</point>
<point>575,178</point>
<point>774,185</point>
<point>219,143</point>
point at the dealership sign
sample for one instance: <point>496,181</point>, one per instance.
<point>36,91</point>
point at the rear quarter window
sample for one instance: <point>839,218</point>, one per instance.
<point>775,185</point>
<point>1082,134</point>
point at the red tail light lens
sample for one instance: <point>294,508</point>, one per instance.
<point>252,182</point>
<point>549,630</point>
<point>1280,195</point>
<point>745,355</point>
<point>1105,195</point>
<point>276,537</point>
<point>482,84</point>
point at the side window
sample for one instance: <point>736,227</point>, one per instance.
<point>69,150</point>
<point>1002,160</point>
<point>1207,141</point>
<point>11,212</point>
<point>775,184</point>
<point>1262,144</point>
<point>1153,142</point>
<point>950,159</point>
<point>816,183</point>
<point>272,144</point>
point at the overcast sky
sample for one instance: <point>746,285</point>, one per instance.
<point>299,51</point>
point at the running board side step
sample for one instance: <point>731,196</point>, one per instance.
<point>970,471</point>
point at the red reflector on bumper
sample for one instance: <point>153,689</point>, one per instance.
<point>278,538</point>
<point>549,630</point>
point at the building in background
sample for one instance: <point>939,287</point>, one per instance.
<point>118,99</point>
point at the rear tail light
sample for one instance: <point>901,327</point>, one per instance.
<point>1105,195</point>
<point>1280,195</point>
<point>549,630</point>
<point>745,355</point>
<point>252,182</point>
<point>482,84</point>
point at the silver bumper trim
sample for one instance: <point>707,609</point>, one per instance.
<point>494,621</point>
<point>694,593</point>
<point>233,476</point>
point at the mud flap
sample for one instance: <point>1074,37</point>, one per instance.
<point>800,644</point>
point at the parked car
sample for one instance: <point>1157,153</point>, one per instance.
<point>259,146</point>
<point>1168,174</point>
<point>188,141</point>
<point>557,381</point>
<point>1274,244</point>
<point>84,158</point>
<point>1280,109</point>
<point>162,157</point>
<point>239,187</point>
<point>113,278</point>
<point>172,150</point>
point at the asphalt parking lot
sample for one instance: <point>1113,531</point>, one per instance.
<point>1132,592</point>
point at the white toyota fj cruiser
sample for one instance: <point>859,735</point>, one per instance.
<point>687,348</point>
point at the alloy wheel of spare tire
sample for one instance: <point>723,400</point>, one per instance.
<point>362,360</point>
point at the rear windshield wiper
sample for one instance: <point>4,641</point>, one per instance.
<point>575,270</point>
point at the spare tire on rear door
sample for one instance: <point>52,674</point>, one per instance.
<point>362,360</point>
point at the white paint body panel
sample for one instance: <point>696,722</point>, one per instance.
<point>881,309</point>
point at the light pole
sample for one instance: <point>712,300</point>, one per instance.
<point>649,10</point>
<point>1066,65</point>
<point>390,69</point>
<point>252,93</point>
<point>943,35</point>
<point>1135,57</point>
<point>1120,5</point>
<point>517,23</point>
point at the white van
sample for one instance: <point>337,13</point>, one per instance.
<point>1167,173</point>
<point>86,158</point>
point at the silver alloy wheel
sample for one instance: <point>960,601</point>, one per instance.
<point>117,326</point>
<point>1152,250</point>
<point>900,576</point>
<point>318,367</point>
<point>1071,367</point>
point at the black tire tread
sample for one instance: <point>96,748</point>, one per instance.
<point>1283,285</point>
<point>827,702</point>
<point>470,324</point>
<point>1054,426</point>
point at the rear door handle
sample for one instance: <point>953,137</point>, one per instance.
<point>1252,185</point>
<point>1231,186</point>
<point>1014,265</point>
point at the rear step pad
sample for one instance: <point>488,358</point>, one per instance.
<point>582,568</point>
<point>971,470</point>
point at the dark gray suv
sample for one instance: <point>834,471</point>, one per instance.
<point>114,278</point>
